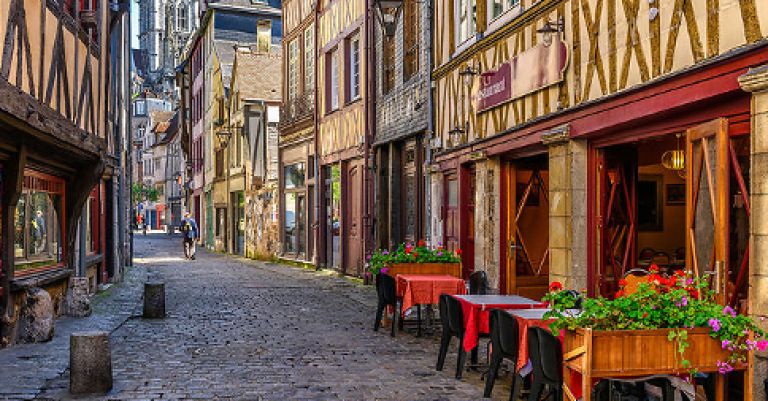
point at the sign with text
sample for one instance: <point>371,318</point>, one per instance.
<point>536,68</point>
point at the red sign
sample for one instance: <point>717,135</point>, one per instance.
<point>536,68</point>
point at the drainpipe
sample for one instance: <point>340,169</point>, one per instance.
<point>368,186</point>
<point>430,127</point>
<point>320,245</point>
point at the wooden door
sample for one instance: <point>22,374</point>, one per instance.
<point>524,245</point>
<point>707,199</point>
<point>617,216</point>
<point>352,221</point>
<point>451,212</point>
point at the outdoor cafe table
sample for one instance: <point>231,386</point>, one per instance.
<point>476,309</point>
<point>425,289</point>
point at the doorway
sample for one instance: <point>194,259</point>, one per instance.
<point>678,201</point>
<point>524,227</point>
<point>352,188</point>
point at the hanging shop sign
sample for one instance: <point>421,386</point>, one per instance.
<point>536,68</point>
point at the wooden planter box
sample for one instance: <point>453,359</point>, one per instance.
<point>635,353</point>
<point>451,269</point>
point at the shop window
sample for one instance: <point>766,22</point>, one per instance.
<point>91,215</point>
<point>37,242</point>
<point>411,30</point>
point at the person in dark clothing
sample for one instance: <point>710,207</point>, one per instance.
<point>191,235</point>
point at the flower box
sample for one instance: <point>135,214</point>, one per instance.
<point>451,269</point>
<point>596,354</point>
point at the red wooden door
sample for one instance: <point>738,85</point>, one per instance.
<point>617,216</point>
<point>352,221</point>
<point>451,212</point>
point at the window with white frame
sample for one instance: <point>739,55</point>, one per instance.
<point>497,8</point>
<point>466,10</point>
<point>333,79</point>
<point>309,59</point>
<point>354,68</point>
<point>293,69</point>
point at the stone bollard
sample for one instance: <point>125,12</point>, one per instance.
<point>90,363</point>
<point>154,300</point>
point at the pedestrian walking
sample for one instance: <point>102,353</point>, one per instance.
<point>191,234</point>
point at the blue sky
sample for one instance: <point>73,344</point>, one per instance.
<point>134,24</point>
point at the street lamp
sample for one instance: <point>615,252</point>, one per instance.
<point>388,12</point>
<point>456,133</point>
<point>550,29</point>
<point>224,136</point>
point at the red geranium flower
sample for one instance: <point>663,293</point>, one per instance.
<point>679,273</point>
<point>415,254</point>
<point>421,243</point>
<point>458,251</point>
<point>622,283</point>
<point>654,268</point>
<point>620,293</point>
<point>555,286</point>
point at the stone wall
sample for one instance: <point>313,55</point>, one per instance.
<point>487,215</point>
<point>262,238</point>
<point>567,209</point>
<point>32,310</point>
<point>756,82</point>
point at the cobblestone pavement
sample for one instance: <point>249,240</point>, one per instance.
<point>244,330</point>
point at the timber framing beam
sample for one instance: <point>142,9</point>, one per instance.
<point>30,115</point>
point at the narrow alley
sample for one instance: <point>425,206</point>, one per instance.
<point>243,330</point>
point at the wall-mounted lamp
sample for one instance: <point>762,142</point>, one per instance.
<point>550,29</point>
<point>388,12</point>
<point>224,136</point>
<point>456,133</point>
<point>468,72</point>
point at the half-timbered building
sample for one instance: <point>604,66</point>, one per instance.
<point>298,184</point>
<point>61,154</point>
<point>344,111</point>
<point>621,122</point>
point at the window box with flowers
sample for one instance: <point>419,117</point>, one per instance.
<point>415,259</point>
<point>667,326</point>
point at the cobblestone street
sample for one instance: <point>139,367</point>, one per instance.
<point>245,330</point>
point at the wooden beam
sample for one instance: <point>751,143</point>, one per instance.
<point>13,174</point>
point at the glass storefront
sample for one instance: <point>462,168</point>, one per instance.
<point>294,209</point>
<point>37,241</point>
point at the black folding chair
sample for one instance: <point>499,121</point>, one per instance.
<point>546,356</point>
<point>385,288</point>
<point>505,345</point>
<point>478,283</point>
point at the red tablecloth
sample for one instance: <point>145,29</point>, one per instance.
<point>476,310</point>
<point>425,289</point>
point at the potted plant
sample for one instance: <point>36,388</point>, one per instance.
<point>415,259</point>
<point>668,326</point>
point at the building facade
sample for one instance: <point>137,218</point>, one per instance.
<point>629,127</point>
<point>344,115</point>
<point>403,126</point>
<point>64,167</point>
<point>299,199</point>
<point>252,153</point>
<point>205,77</point>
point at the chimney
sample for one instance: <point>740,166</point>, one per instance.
<point>263,36</point>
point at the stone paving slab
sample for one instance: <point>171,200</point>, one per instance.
<point>238,329</point>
